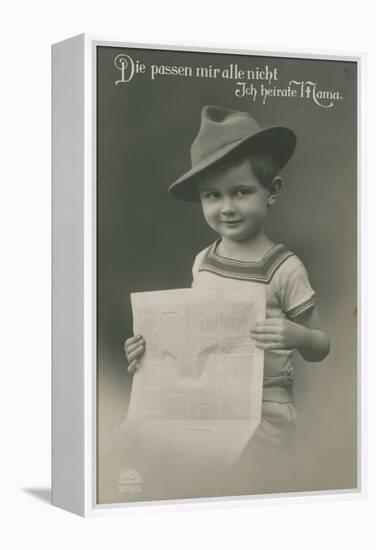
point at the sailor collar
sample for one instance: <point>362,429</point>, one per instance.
<point>260,271</point>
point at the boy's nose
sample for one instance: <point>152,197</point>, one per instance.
<point>227,206</point>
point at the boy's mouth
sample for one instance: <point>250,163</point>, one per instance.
<point>231,222</point>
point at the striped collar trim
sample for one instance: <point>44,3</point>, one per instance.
<point>260,271</point>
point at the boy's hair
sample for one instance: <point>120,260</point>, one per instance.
<point>265,168</point>
<point>263,164</point>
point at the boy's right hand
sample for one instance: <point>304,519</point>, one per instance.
<point>134,347</point>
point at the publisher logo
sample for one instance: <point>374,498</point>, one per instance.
<point>129,481</point>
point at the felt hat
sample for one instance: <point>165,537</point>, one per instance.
<point>224,131</point>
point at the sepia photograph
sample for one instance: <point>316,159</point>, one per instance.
<point>187,355</point>
<point>226,271</point>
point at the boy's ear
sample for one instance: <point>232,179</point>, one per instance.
<point>274,190</point>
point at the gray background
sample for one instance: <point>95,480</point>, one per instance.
<point>147,240</point>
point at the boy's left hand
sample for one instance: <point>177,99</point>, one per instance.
<point>274,334</point>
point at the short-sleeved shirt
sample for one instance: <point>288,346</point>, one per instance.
<point>288,294</point>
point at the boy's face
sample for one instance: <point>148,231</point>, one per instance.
<point>234,202</point>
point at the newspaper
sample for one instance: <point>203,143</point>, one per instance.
<point>198,388</point>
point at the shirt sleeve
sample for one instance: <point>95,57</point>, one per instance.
<point>194,271</point>
<point>297,295</point>
<point>196,265</point>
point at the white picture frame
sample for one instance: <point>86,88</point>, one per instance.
<point>74,268</point>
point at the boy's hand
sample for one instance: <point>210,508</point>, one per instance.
<point>274,334</point>
<point>134,347</point>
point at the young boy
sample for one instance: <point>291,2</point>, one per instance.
<point>235,176</point>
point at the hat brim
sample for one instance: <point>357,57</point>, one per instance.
<point>279,141</point>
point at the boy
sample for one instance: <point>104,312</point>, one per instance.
<point>234,174</point>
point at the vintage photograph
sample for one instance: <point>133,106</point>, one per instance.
<point>226,274</point>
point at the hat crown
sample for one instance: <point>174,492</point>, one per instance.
<point>219,128</point>
<point>224,131</point>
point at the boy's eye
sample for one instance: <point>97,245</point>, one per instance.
<point>211,195</point>
<point>243,192</point>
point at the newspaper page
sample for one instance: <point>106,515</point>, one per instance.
<point>198,388</point>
